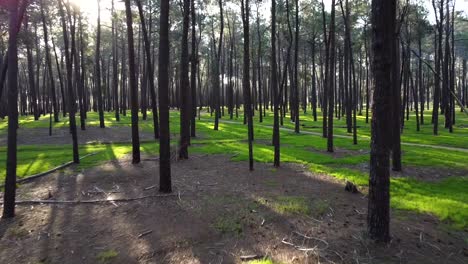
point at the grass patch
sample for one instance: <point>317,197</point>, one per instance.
<point>107,256</point>
<point>228,224</point>
<point>262,261</point>
<point>320,207</point>
<point>287,204</point>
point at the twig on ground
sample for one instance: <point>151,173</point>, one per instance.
<point>250,257</point>
<point>150,187</point>
<point>145,233</point>
<point>92,201</point>
<point>314,238</point>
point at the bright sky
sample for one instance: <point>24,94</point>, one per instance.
<point>89,7</point>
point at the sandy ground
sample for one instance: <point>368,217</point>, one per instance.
<point>219,212</point>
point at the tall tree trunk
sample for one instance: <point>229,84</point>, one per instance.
<point>149,69</point>
<point>115,77</point>
<point>274,87</point>
<point>331,81</point>
<point>32,84</point>
<point>98,69</point>
<point>12,61</point>
<point>296,78</point>
<point>245,10</point>
<point>216,65</point>
<point>165,184</point>
<point>71,93</point>
<point>185,108</point>
<point>193,72</point>
<point>439,58</point>
<point>383,19</point>
<point>133,84</point>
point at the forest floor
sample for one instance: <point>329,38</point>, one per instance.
<point>219,211</point>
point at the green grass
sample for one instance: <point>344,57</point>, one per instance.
<point>447,199</point>
<point>262,261</point>
<point>228,224</point>
<point>287,204</point>
<point>107,256</point>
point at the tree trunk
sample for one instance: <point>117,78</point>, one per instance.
<point>98,69</point>
<point>245,8</point>
<point>12,61</point>
<point>185,109</point>
<point>274,87</point>
<point>133,84</point>
<point>71,93</point>
<point>165,184</point>
<point>331,81</point>
<point>150,71</point>
<point>383,18</point>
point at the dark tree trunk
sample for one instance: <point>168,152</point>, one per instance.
<point>98,69</point>
<point>32,83</point>
<point>216,82</point>
<point>314,83</point>
<point>383,18</point>
<point>296,78</point>
<point>165,184</point>
<point>115,77</point>
<point>12,95</point>
<point>49,64</point>
<point>326,77</point>
<point>60,76</point>
<point>439,58</point>
<point>245,8</point>
<point>331,81</point>
<point>133,84</point>
<point>185,108</point>
<point>274,87</point>
<point>193,72</point>
<point>149,70</point>
<point>71,93</point>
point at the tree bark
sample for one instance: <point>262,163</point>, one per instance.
<point>383,18</point>
<point>165,184</point>
<point>133,84</point>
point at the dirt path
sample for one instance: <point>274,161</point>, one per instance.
<point>223,212</point>
<point>349,137</point>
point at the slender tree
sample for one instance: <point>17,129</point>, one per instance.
<point>70,90</point>
<point>12,61</point>
<point>245,10</point>
<point>98,69</point>
<point>149,69</point>
<point>133,84</point>
<point>193,71</point>
<point>274,87</point>
<point>185,116</point>
<point>331,81</point>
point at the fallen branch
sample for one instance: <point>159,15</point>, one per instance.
<point>250,257</point>
<point>145,233</point>
<point>313,238</point>
<point>35,176</point>
<point>94,201</point>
